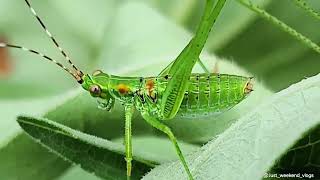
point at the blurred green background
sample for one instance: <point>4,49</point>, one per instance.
<point>127,37</point>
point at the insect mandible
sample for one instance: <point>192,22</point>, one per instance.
<point>176,91</point>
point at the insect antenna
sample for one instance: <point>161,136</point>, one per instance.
<point>78,72</point>
<point>76,76</point>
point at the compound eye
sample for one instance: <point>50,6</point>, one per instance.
<point>97,72</point>
<point>95,90</point>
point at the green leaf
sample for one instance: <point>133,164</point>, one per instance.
<point>77,173</point>
<point>14,160</point>
<point>303,157</point>
<point>8,110</point>
<point>101,157</point>
<point>94,154</point>
<point>22,158</point>
<point>249,148</point>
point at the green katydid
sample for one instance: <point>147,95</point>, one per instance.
<point>176,91</point>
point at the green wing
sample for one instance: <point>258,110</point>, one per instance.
<point>181,68</point>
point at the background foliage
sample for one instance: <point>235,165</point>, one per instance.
<point>140,38</point>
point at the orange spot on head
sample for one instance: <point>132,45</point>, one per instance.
<point>123,89</point>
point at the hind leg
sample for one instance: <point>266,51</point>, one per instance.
<point>165,129</point>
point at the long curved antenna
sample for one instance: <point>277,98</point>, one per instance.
<point>79,72</point>
<point>76,76</point>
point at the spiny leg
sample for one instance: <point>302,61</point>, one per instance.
<point>280,24</point>
<point>303,4</point>
<point>181,68</point>
<point>165,129</point>
<point>128,141</point>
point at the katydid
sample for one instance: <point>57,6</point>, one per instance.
<point>175,92</point>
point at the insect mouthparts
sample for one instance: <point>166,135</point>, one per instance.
<point>249,87</point>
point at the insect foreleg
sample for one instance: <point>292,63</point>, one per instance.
<point>181,68</point>
<point>128,141</point>
<point>165,129</point>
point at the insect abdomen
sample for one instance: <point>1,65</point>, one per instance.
<point>213,93</point>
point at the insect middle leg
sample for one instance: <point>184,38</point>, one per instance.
<point>165,129</point>
<point>129,109</point>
